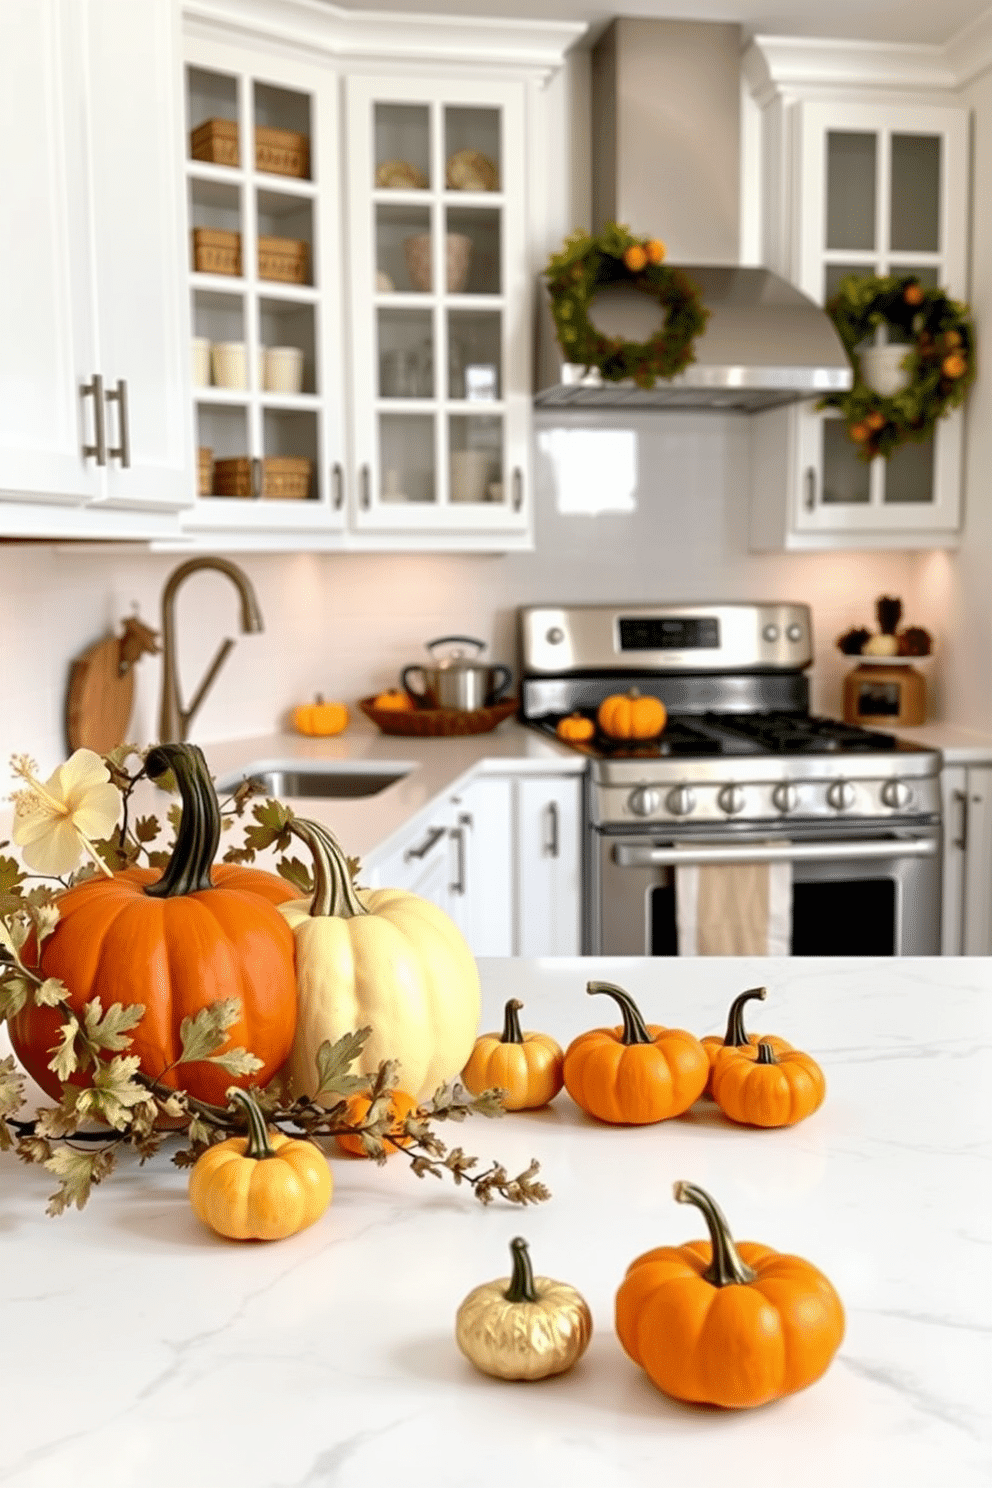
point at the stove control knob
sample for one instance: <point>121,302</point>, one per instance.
<point>644,800</point>
<point>841,795</point>
<point>785,798</point>
<point>681,800</point>
<point>770,633</point>
<point>731,799</point>
<point>794,632</point>
<point>897,794</point>
<point>555,635</point>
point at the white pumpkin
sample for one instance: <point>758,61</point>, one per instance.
<point>383,959</point>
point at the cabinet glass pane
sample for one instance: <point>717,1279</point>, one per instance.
<point>215,228</point>
<point>282,131</point>
<point>914,215</point>
<point>287,356</point>
<point>221,434</point>
<point>289,443</point>
<point>472,149</point>
<point>403,249</point>
<point>474,259</point>
<point>402,146</point>
<point>845,474</point>
<point>909,475</point>
<point>406,447</point>
<point>834,273</point>
<point>850,190</point>
<point>476,459</point>
<point>285,238</point>
<point>212,96</point>
<point>406,354</point>
<point>474,355</point>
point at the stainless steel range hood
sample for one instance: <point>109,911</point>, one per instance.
<point>666,160</point>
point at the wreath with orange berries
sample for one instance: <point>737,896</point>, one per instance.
<point>587,264</point>
<point>940,358</point>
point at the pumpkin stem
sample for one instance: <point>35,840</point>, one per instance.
<point>634,1030</point>
<point>334,893</point>
<point>259,1145</point>
<point>512,1032</point>
<point>735,1035</point>
<point>198,837</point>
<point>521,1288</point>
<point>766,1054</point>
<point>726,1267</point>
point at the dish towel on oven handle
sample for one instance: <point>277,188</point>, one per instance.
<point>734,909</point>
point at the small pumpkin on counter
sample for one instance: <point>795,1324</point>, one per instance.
<point>319,718</point>
<point>528,1066</point>
<point>394,700</point>
<point>636,1074</point>
<point>631,715</point>
<point>383,959</point>
<point>263,1186</point>
<point>736,1036</point>
<point>575,728</point>
<point>357,1107</point>
<point>761,1086</point>
<point>523,1326</point>
<point>726,1324</point>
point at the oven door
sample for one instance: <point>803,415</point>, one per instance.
<point>858,889</point>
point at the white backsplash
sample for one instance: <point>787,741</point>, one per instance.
<point>346,624</point>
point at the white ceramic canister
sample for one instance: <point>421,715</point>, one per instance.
<point>230,364</point>
<point>282,369</point>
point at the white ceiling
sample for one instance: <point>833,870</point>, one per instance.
<point>931,22</point>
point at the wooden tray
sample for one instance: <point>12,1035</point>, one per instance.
<point>438,723</point>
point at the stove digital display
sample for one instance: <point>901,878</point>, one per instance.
<point>669,633</point>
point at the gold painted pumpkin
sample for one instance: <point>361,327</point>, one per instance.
<point>320,719</point>
<point>630,715</point>
<point>523,1326</point>
<point>528,1066</point>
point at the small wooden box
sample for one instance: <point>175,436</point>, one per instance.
<point>216,251</point>
<point>284,259</point>
<point>205,471</point>
<point>880,693</point>
<point>216,140</point>
<point>282,152</point>
<point>276,478</point>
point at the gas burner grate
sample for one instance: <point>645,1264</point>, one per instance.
<point>701,736</point>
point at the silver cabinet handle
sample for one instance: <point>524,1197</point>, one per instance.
<point>458,887</point>
<point>365,488</point>
<point>98,450</point>
<point>810,481</point>
<point>791,852</point>
<point>552,843</point>
<point>122,450</point>
<point>423,848</point>
<point>256,479</point>
<point>961,840</point>
<point>337,481</point>
<point>518,488</point>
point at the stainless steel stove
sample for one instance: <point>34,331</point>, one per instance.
<point>742,772</point>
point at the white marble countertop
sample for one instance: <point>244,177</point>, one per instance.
<point>959,746</point>
<point>141,1351</point>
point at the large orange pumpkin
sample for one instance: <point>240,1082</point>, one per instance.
<point>630,715</point>
<point>725,1324</point>
<point>736,1036</point>
<point>175,942</point>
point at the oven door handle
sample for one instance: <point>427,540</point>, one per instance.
<point>626,856</point>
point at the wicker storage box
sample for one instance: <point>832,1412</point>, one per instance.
<point>215,140</point>
<point>215,251</point>
<point>282,152</point>
<point>276,478</point>
<point>205,471</point>
<point>284,259</point>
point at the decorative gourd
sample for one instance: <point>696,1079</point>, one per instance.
<point>725,1324</point>
<point>320,719</point>
<point>528,1066</point>
<point>635,1074</point>
<point>383,959</point>
<point>576,728</point>
<point>735,1035</point>
<point>394,700</point>
<point>629,715</point>
<point>758,1086</point>
<point>175,942</point>
<point>264,1186</point>
<point>357,1108</point>
<point>523,1326</point>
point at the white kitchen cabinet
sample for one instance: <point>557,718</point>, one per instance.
<point>94,422</point>
<point>967,868</point>
<point>549,865</point>
<point>484,860</point>
<point>858,184</point>
<point>422,862</point>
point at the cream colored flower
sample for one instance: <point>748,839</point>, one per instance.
<point>56,821</point>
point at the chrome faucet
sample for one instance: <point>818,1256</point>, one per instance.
<point>174,720</point>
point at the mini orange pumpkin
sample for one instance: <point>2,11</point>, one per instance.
<point>629,715</point>
<point>400,1106</point>
<point>735,1035</point>
<point>320,719</point>
<point>528,1066</point>
<point>576,728</point>
<point>722,1324</point>
<point>635,1074</point>
<point>394,700</point>
<point>759,1087</point>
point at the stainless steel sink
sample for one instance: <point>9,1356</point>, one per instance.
<point>346,780</point>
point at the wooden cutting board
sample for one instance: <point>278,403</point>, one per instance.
<point>101,688</point>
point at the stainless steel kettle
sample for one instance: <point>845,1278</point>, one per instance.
<point>458,679</point>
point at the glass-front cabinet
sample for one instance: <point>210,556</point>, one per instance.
<point>440,305</point>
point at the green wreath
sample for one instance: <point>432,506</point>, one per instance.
<point>587,264</point>
<point>940,358</point>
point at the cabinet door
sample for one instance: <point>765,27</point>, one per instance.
<point>441,304</point>
<point>549,866</point>
<point>424,864</point>
<point>482,881</point>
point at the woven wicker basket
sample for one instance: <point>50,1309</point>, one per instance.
<point>216,251</point>
<point>284,259</point>
<point>281,152</point>
<point>276,478</point>
<point>438,723</point>
<point>215,140</point>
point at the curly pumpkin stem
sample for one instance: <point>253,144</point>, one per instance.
<point>634,1030</point>
<point>188,870</point>
<point>521,1288</point>
<point>726,1267</point>
<point>334,893</point>
<point>259,1146</point>
<point>766,1054</point>
<point>512,1032</point>
<point>736,1035</point>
